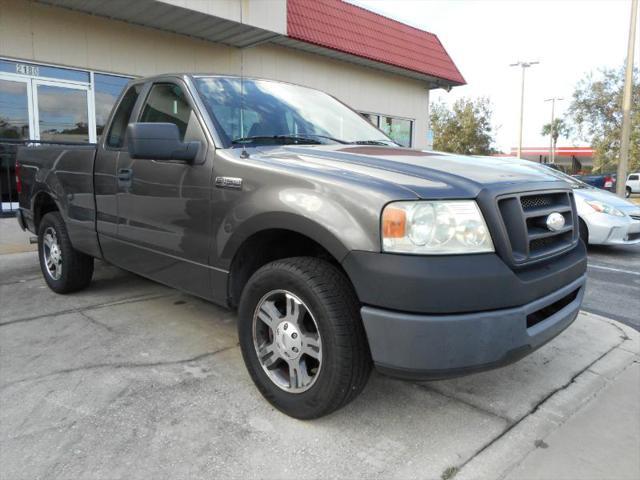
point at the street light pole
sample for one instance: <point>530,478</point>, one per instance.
<point>621,183</point>
<point>552,150</point>
<point>523,66</point>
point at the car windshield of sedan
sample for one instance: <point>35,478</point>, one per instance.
<point>262,112</point>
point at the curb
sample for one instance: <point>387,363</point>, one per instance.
<point>509,449</point>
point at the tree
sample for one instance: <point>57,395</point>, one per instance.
<point>560,129</point>
<point>465,129</point>
<point>596,113</point>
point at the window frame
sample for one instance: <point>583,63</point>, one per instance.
<point>109,125</point>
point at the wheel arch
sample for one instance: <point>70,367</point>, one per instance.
<point>43,202</point>
<point>255,247</point>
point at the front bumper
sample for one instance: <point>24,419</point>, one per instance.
<point>427,347</point>
<point>610,230</point>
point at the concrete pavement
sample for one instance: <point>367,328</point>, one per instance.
<point>129,379</point>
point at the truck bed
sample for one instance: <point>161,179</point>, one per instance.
<point>65,172</point>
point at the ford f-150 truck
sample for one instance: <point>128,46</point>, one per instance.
<point>339,249</point>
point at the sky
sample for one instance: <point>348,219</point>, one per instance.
<point>569,38</point>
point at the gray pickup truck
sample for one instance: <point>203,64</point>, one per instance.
<point>339,249</point>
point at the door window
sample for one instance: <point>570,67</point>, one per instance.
<point>166,103</point>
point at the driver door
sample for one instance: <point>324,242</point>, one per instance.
<point>164,206</point>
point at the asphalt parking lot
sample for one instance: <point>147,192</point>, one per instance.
<point>129,379</point>
<point>613,288</point>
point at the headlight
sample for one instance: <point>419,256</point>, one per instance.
<point>438,227</point>
<point>604,208</point>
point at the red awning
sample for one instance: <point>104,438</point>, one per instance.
<point>347,28</point>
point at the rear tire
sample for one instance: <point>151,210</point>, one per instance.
<point>64,269</point>
<point>284,304</point>
<point>584,232</point>
<point>627,193</point>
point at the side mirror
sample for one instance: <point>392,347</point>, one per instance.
<point>159,141</point>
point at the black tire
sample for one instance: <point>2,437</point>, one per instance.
<point>330,299</point>
<point>627,193</point>
<point>77,267</point>
<point>584,231</point>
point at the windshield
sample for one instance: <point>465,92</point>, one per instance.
<point>574,182</point>
<point>275,113</point>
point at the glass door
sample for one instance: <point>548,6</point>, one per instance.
<point>16,126</point>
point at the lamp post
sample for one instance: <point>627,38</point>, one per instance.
<point>552,150</point>
<point>621,183</point>
<point>523,66</point>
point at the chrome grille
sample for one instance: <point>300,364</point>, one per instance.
<point>524,216</point>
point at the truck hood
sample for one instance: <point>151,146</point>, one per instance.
<point>424,173</point>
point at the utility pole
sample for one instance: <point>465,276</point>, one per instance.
<point>552,150</point>
<point>621,182</point>
<point>523,66</point>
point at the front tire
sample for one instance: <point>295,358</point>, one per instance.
<point>64,269</point>
<point>584,232</point>
<point>627,193</point>
<point>302,337</point>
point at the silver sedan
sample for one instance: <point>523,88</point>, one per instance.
<point>605,218</point>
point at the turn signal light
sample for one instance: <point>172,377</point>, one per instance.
<point>394,223</point>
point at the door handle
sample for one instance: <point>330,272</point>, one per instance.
<point>124,174</point>
<point>124,177</point>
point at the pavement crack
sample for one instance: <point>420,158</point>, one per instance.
<point>97,306</point>
<point>464,402</point>
<point>117,366</point>
<point>93,321</point>
<point>535,408</point>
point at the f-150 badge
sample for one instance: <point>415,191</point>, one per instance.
<point>229,182</point>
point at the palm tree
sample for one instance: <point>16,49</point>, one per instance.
<point>558,128</point>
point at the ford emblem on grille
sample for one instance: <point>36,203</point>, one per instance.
<point>555,221</point>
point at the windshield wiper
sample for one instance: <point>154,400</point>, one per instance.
<point>294,139</point>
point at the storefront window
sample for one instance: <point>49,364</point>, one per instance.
<point>373,118</point>
<point>399,129</point>
<point>107,89</point>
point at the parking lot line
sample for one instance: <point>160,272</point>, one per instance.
<point>620,270</point>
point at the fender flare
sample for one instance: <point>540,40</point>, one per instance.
<point>282,221</point>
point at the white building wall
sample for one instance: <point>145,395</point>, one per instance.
<point>267,14</point>
<point>40,33</point>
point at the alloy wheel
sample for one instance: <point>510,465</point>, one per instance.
<point>287,341</point>
<point>52,253</point>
